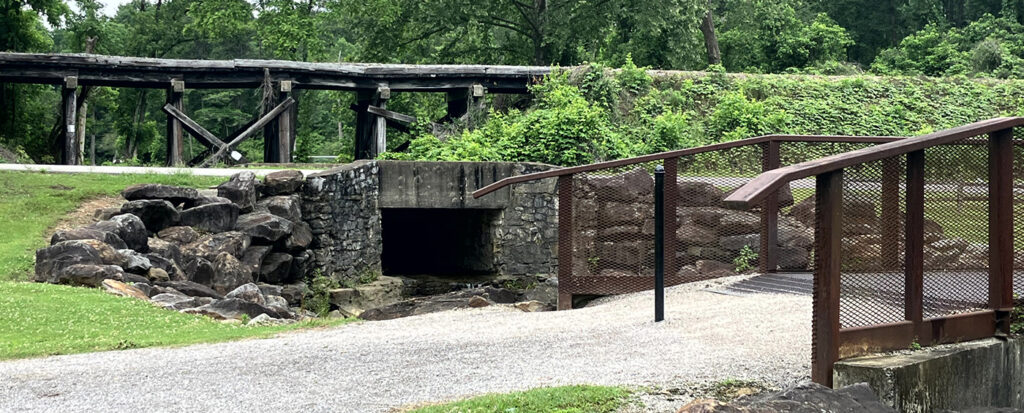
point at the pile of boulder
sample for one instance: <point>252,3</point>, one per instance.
<point>240,253</point>
<point>614,220</point>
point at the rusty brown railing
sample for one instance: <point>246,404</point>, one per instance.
<point>600,254</point>
<point>934,296</point>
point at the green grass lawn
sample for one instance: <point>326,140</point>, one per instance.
<point>39,319</point>
<point>568,399</point>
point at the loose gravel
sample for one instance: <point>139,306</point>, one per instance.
<point>380,366</point>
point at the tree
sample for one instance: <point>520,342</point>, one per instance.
<point>707,27</point>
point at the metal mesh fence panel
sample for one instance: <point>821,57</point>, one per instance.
<point>956,229</point>
<point>872,282</point>
<point>613,234</point>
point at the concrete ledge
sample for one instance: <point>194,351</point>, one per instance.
<point>983,373</point>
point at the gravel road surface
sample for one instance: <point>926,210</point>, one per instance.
<point>380,366</point>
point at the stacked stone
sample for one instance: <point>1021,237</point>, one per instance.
<point>862,240</point>
<point>614,220</point>
<point>341,208</point>
<point>195,253</point>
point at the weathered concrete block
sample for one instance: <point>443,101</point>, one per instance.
<point>982,373</point>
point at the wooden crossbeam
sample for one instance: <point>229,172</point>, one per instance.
<point>247,132</point>
<point>200,133</point>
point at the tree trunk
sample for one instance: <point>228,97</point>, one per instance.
<point>540,56</point>
<point>707,26</point>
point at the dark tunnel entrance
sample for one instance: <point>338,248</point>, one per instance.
<point>446,242</point>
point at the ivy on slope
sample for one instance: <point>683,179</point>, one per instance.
<point>595,113</point>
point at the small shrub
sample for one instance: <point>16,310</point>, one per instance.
<point>318,298</point>
<point>744,261</point>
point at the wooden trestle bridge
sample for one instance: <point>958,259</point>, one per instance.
<point>372,83</point>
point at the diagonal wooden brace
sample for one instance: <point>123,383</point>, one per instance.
<point>247,132</point>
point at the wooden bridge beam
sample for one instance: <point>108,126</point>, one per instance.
<point>175,147</point>
<point>460,101</point>
<point>371,129</point>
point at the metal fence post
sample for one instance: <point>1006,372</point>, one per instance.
<point>1000,226</point>
<point>768,252</point>
<point>827,258</point>
<point>659,243</point>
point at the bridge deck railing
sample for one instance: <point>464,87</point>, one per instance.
<point>938,266</point>
<point>606,214</point>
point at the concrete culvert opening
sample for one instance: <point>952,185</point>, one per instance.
<point>443,242</point>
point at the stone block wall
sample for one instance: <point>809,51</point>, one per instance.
<point>343,208</point>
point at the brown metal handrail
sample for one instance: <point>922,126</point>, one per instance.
<point>831,342</point>
<point>679,153</point>
<point>757,189</point>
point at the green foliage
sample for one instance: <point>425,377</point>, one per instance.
<point>568,399</point>
<point>746,259</point>
<point>318,295</point>
<point>989,46</point>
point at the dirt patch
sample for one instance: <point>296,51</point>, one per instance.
<point>84,214</point>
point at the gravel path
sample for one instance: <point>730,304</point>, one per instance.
<point>378,366</point>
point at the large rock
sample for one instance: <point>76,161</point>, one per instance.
<point>299,239</point>
<point>89,275</point>
<point>119,288</point>
<point>737,242</point>
<point>283,182</point>
<point>167,250</point>
<point>253,257</point>
<point>284,206</point>
<point>802,398</point>
<point>615,213</point>
<point>179,302</point>
<point>693,234</point>
<point>351,302</point>
<point>264,227</point>
<point>169,267</point>
<point>191,289</point>
<point>275,268</point>
<point>134,262</point>
<point>300,266</point>
<point>294,293</point>
<point>234,309</point>
<point>248,292</point>
<point>240,189</point>
<point>209,246</point>
<point>626,187</point>
<point>738,223</point>
<point>793,258</point>
<point>52,260</point>
<point>181,235</point>
<point>201,271</point>
<point>217,217</point>
<point>175,194</point>
<point>156,214</point>
<point>699,194</point>
<point>229,273</point>
<point>129,228</point>
<point>106,237</point>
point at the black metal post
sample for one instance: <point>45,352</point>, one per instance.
<point>659,243</point>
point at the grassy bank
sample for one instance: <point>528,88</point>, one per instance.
<point>39,319</point>
<point>567,399</point>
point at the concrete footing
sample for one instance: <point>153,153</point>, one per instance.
<point>983,373</point>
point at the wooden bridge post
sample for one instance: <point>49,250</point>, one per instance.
<point>371,138</point>
<point>286,125</point>
<point>175,144</point>
<point>890,216</point>
<point>380,126</point>
<point>70,149</point>
<point>1000,226</point>
<point>271,142</point>
<point>461,100</point>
